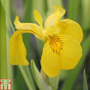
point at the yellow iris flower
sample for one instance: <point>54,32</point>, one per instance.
<point>62,49</point>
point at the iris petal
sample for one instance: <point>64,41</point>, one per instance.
<point>70,27</point>
<point>17,50</point>
<point>50,61</point>
<point>64,53</point>
<point>38,17</point>
<point>55,16</point>
<point>25,26</point>
<point>29,28</point>
<point>71,53</point>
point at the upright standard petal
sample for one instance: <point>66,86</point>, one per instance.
<point>71,52</point>
<point>71,28</point>
<point>17,50</point>
<point>38,17</point>
<point>55,16</point>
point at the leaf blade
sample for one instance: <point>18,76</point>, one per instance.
<point>27,76</point>
<point>85,87</point>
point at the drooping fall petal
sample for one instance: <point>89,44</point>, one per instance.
<point>17,50</point>
<point>71,53</point>
<point>50,61</point>
<point>60,52</point>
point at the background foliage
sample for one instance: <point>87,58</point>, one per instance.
<point>22,76</point>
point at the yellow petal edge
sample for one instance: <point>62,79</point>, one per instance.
<point>72,28</point>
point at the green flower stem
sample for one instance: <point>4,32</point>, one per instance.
<point>3,57</point>
<point>54,82</point>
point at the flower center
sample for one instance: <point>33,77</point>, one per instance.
<point>55,43</point>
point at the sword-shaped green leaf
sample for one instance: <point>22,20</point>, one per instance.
<point>85,87</point>
<point>24,70</point>
<point>3,56</point>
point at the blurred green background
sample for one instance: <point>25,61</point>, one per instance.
<point>22,78</point>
